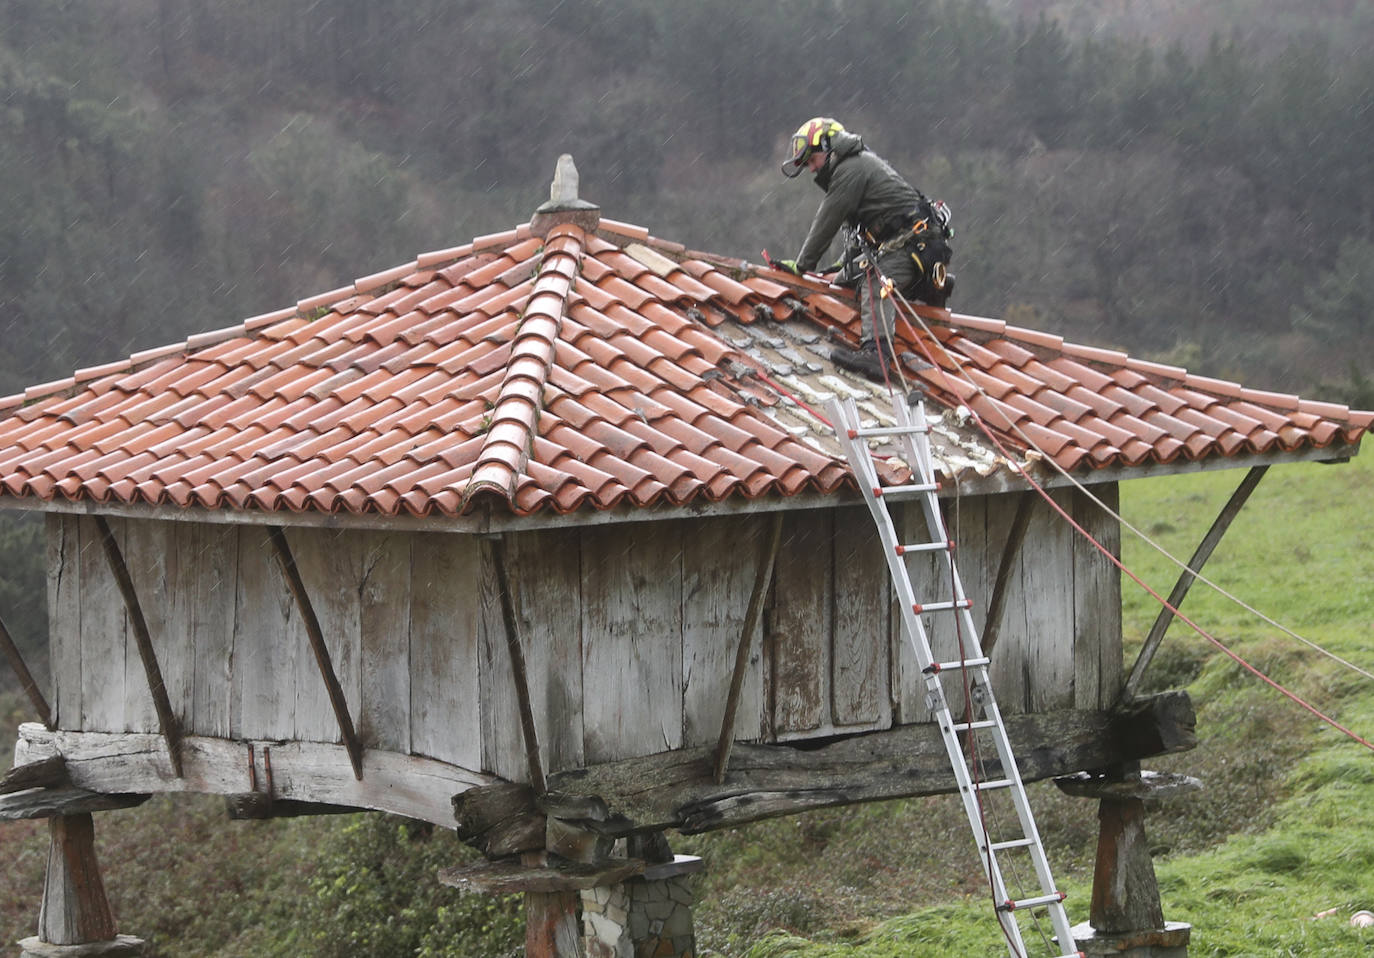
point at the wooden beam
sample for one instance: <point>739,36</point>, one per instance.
<point>47,773</point>
<point>762,579</point>
<point>1185,581</point>
<point>1015,536</point>
<point>538,875</point>
<point>167,720</point>
<point>25,677</point>
<point>255,806</point>
<point>496,554</point>
<point>60,801</point>
<point>677,789</point>
<point>317,645</point>
<point>500,820</point>
<point>118,762</point>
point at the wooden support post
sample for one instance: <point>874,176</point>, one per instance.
<point>25,677</point>
<point>496,553</point>
<point>1126,917</point>
<point>317,645</point>
<point>762,579</point>
<point>1015,536</point>
<point>75,920</point>
<point>551,926</point>
<point>1185,581</point>
<point>74,910</point>
<point>167,720</point>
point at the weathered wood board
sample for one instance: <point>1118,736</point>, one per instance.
<point>632,639</point>
<point>384,620</point>
<point>445,638</point>
<point>800,624</point>
<point>715,599</point>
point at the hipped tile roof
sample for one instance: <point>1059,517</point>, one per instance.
<point>589,369</point>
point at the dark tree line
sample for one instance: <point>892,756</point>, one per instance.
<point>172,166</point>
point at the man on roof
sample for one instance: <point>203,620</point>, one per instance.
<point>893,231</point>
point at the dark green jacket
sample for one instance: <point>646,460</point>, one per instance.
<point>862,190</point>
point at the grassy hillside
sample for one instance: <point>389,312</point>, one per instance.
<point>1283,830</point>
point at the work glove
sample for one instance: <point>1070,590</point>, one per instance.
<point>789,266</point>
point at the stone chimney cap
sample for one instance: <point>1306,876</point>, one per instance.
<point>564,205</point>
<point>563,189</point>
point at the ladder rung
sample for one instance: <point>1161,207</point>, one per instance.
<point>935,668</point>
<point>888,431</point>
<point>1052,899</point>
<point>1014,843</point>
<point>925,547</point>
<point>991,784</point>
<point>912,487</point>
<point>920,608</point>
<point>973,726</point>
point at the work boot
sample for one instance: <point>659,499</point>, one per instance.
<point>866,360</point>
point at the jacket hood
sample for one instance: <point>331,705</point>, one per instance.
<point>842,146</point>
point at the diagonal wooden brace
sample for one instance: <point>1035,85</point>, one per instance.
<point>166,717</point>
<point>316,635</point>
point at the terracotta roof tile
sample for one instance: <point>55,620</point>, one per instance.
<point>585,371</point>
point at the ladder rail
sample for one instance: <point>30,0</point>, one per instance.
<point>911,430</point>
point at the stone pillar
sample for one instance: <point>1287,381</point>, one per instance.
<point>1126,918</point>
<point>75,920</point>
<point>648,916</point>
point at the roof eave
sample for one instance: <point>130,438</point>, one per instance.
<point>484,521</point>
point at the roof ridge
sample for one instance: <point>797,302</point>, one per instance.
<point>512,423</point>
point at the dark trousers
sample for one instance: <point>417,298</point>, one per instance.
<point>879,312</point>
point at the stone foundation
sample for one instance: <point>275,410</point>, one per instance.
<point>1171,941</point>
<point>649,916</point>
<point>121,946</point>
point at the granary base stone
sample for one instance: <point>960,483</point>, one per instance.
<point>643,917</point>
<point>123,946</point>
<point>1168,942</point>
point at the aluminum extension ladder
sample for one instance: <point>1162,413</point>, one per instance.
<point>980,722</point>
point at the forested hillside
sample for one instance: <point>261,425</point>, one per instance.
<point>172,166</point>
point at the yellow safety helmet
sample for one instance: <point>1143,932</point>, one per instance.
<point>811,136</point>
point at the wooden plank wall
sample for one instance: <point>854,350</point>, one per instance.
<point>1059,642</point>
<point>628,631</point>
